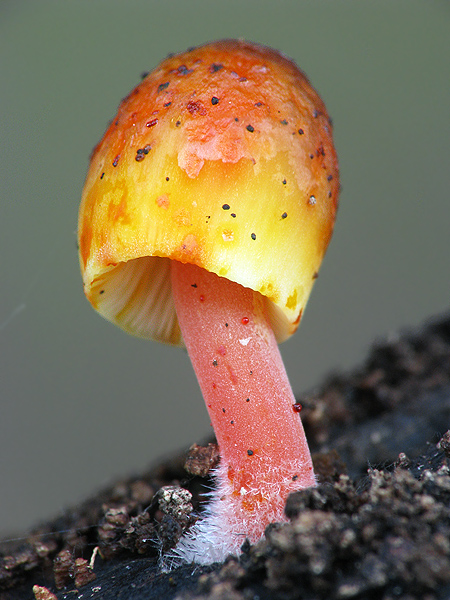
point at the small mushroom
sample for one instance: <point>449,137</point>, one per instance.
<point>199,230</point>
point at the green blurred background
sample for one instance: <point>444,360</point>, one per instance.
<point>81,402</point>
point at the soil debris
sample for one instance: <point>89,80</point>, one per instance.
<point>42,593</point>
<point>201,459</point>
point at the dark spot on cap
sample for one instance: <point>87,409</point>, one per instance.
<point>215,67</point>
<point>141,152</point>
<point>320,150</point>
<point>250,128</point>
<point>183,70</point>
<point>284,182</point>
<point>195,107</point>
<point>250,452</point>
<point>284,215</point>
<point>301,132</point>
<point>163,86</point>
<point>253,236</point>
<point>214,100</point>
<point>116,161</point>
<point>284,122</point>
<point>226,206</point>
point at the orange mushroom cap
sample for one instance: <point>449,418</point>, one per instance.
<point>221,157</point>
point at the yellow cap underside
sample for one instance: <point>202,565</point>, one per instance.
<point>271,238</point>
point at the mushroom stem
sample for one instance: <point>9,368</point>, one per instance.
<point>263,448</point>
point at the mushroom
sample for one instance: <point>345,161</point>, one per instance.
<point>206,212</point>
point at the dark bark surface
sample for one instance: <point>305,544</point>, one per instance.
<point>377,526</point>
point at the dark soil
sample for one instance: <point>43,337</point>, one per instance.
<point>377,526</point>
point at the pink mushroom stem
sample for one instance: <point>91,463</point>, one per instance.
<point>263,448</point>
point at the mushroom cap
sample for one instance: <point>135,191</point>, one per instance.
<point>222,157</point>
